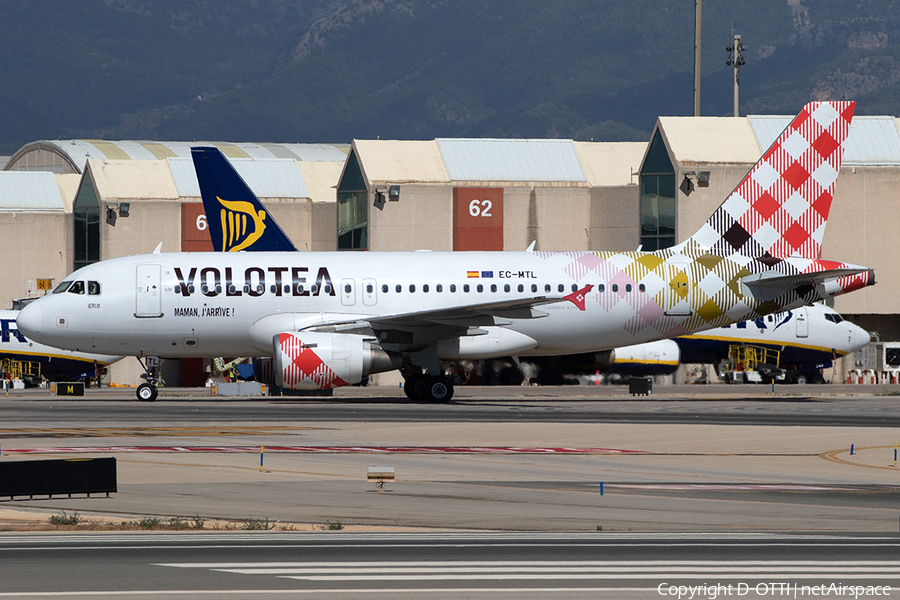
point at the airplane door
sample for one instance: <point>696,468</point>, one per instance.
<point>802,323</point>
<point>148,297</point>
<point>679,290</point>
<point>348,292</point>
<point>370,292</point>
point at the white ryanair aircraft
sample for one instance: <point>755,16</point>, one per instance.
<point>330,318</point>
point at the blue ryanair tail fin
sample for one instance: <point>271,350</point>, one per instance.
<point>237,219</point>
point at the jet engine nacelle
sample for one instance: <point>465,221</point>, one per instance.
<point>318,361</point>
<point>653,358</point>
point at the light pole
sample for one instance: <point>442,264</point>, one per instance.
<point>737,60</point>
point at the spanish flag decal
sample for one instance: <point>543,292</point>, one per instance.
<point>471,274</point>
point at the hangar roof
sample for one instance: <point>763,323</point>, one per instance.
<point>22,192</point>
<point>872,141</point>
<point>401,161</point>
<point>511,160</point>
<point>268,177</point>
<point>75,153</point>
<point>611,163</point>
<point>446,160</point>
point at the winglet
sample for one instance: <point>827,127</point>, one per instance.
<point>578,298</point>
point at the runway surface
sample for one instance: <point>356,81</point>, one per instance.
<point>677,490</point>
<point>528,566</point>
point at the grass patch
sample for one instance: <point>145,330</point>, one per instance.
<point>257,525</point>
<point>63,518</point>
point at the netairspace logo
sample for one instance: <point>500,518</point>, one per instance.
<point>785,590</point>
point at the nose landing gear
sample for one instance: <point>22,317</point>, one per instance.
<point>148,391</point>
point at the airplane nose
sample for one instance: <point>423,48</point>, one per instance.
<point>859,337</point>
<point>29,322</point>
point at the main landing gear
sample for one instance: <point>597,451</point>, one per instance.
<point>422,386</point>
<point>148,391</point>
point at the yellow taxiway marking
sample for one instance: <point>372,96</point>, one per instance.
<point>832,455</point>
<point>95,432</point>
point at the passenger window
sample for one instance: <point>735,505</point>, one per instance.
<point>77,288</point>
<point>314,289</point>
<point>642,288</point>
<point>425,288</point>
<point>412,288</point>
<point>399,288</point>
<point>561,288</point>
<point>439,288</point>
<point>615,287</point>
<point>521,288</point>
<point>93,288</point>
<point>347,288</point>
<point>493,287</point>
<point>370,288</point>
<point>384,288</point>
<point>453,288</point>
<point>479,288</point>
<point>62,287</point>
<point>574,287</point>
<point>272,288</point>
<point>534,288</point>
<point>327,289</point>
<point>770,319</point>
<point>601,288</point>
<point>506,288</point>
<point>466,288</point>
<point>547,288</point>
<point>627,287</point>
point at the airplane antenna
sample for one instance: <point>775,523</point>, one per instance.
<point>158,249</point>
<point>531,246</point>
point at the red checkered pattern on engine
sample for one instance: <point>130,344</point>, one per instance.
<point>301,365</point>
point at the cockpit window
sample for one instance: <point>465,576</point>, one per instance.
<point>838,318</point>
<point>93,288</point>
<point>77,287</point>
<point>62,287</point>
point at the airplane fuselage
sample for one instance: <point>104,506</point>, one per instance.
<point>231,304</point>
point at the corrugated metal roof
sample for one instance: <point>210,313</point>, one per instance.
<point>268,178</point>
<point>309,152</point>
<point>511,160</point>
<point>872,140</point>
<point>29,191</point>
<point>79,151</point>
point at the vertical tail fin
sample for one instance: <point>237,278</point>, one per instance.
<point>237,219</point>
<point>781,207</point>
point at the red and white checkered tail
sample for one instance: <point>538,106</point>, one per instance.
<point>781,207</point>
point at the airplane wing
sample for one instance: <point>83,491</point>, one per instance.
<point>427,326</point>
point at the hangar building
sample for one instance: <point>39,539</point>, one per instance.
<point>443,194</point>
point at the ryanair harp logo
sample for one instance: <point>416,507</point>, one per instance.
<point>242,225</point>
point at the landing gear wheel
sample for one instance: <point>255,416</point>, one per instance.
<point>147,392</point>
<point>439,389</point>
<point>800,379</point>
<point>414,388</point>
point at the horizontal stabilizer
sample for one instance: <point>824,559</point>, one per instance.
<point>773,279</point>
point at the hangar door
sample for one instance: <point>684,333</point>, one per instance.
<point>478,218</point>
<point>194,229</point>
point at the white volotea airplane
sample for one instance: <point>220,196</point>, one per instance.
<point>330,318</point>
